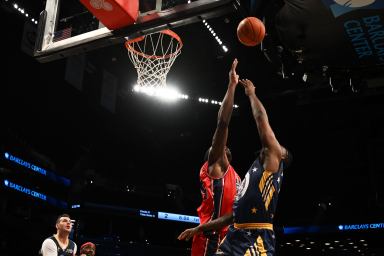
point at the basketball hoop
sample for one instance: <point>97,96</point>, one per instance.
<point>153,55</point>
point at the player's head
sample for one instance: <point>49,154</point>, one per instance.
<point>260,154</point>
<point>63,223</point>
<point>88,249</point>
<point>287,157</point>
<point>227,152</point>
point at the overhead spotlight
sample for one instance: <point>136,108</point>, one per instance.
<point>130,188</point>
<point>136,88</point>
<point>331,84</point>
<point>356,84</point>
<point>165,94</point>
<point>215,36</point>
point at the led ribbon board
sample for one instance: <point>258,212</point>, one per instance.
<point>35,194</point>
<point>143,213</point>
<point>37,169</point>
<point>336,228</point>
<point>178,217</point>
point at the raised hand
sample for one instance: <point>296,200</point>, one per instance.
<point>233,76</point>
<point>248,86</point>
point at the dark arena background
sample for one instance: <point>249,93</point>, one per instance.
<point>75,138</point>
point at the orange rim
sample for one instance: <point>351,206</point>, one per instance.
<point>129,43</point>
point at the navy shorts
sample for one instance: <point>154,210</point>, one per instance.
<point>256,242</point>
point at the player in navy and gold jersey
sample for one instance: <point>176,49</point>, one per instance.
<point>218,179</point>
<point>255,203</point>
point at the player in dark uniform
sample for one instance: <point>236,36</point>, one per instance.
<point>59,244</point>
<point>252,230</point>
<point>218,179</point>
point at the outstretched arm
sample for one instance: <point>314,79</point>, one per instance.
<point>219,140</point>
<point>215,224</point>
<point>268,140</point>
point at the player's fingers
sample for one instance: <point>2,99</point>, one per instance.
<point>184,235</point>
<point>234,64</point>
<point>181,236</point>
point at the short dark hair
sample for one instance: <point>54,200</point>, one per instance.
<point>227,152</point>
<point>61,216</point>
<point>206,154</point>
<point>288,159</point>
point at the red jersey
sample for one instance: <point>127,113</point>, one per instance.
<point>218,195</point>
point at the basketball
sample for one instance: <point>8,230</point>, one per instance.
<point>250,31</point>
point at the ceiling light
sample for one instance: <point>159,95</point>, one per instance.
<point>214,34</point>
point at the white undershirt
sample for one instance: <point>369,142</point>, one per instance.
<point>49,248</point>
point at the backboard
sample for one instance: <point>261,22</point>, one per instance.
<point>66,27</point>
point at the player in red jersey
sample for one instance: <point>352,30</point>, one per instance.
<point>218,179</point>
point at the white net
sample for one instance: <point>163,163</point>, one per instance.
<point>153,56</point>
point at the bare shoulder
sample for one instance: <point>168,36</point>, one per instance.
<point>271,158</point>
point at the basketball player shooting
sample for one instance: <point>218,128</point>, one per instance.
<point>218,178</point>
<point>255,204</point>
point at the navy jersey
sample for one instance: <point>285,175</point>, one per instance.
<point>256,200</point>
